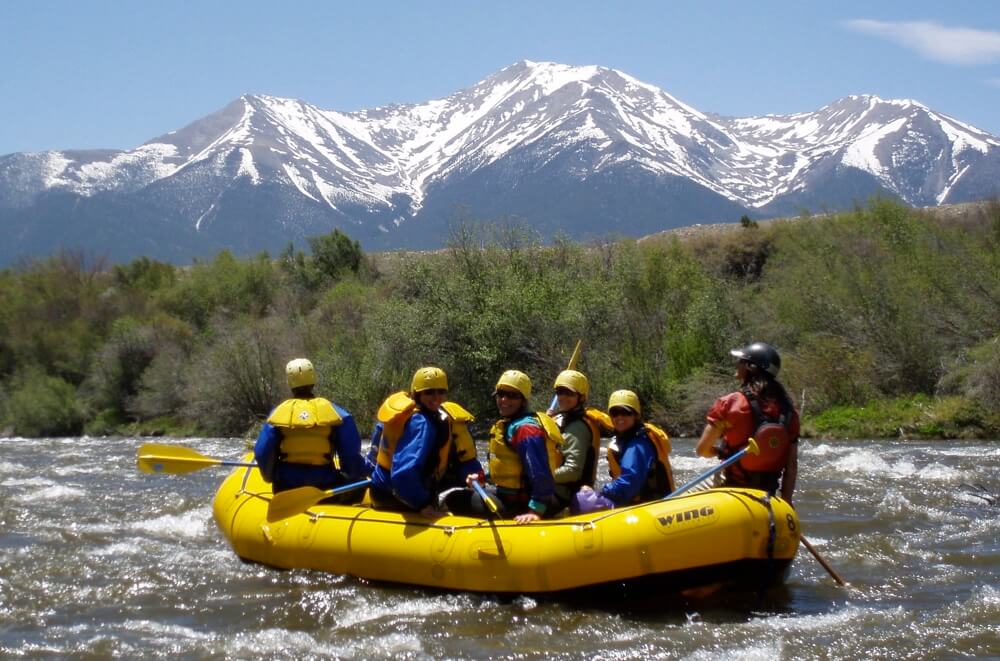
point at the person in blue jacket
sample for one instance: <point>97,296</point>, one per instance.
<point>523,452</point>
<point>421,447</point>
<point>297,444</point>
<point>637,460</point>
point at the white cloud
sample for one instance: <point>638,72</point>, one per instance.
<point>936,42</point>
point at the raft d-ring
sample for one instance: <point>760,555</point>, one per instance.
<point>449,530</point>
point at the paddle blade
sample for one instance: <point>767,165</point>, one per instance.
<point>159,458</point>
<point>294,501</point>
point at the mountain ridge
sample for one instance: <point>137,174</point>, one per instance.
<point>579,150</point>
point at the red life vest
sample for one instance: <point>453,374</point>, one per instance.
<point>773,437</point>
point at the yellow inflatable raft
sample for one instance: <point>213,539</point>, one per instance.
<point>721,535</point>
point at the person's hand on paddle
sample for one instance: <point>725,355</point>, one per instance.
<point>475,477</point>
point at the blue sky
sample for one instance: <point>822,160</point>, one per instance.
<point>115,74</point>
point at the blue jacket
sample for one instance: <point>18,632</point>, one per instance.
<point>528,440</point>
<point>638,458</point>
<point>345,442</point>
<point>411,479</point>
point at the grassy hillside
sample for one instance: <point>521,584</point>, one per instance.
<point>886,318</point>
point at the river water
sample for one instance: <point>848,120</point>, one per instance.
<point>98,560</point>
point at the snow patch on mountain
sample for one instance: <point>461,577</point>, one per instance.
<point>861,152</point>
<point>247,167</point>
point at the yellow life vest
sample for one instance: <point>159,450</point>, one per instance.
<point>506,469</point>
<point>597,421</point>
<point>305,430</point>
<point>662,444</point>
<point>461,439</point>
<point>399,407</point>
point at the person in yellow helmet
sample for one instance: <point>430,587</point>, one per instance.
<point>296,445</point>
<point>523,452</point>
<point>637,459</point>
<point>421,444</point>
<point>581,430</point>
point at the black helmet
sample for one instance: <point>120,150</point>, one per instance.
<point>761,355</point>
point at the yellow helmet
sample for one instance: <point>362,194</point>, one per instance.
<point>625,398</point>
<point>429,378</point>
<point>300,373</point>
<point>573,380</point>
<point>519,381</point>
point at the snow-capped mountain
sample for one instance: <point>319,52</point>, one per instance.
<point>582,150</point>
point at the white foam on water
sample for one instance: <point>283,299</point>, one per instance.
<point>35,481</point>
<point>975,452</point>
<point>823,449</point>
<point>862,461</point>
<point>190,525</point>
<point>168,633</point>
<point>970,497</point>
<point>274,643</point>
<point>526,603</point>
<point>118,550</point>
<point>987,595</point>
<point>11,468</point>
<point>364,613</point>
<point>832,621</point>
<point>894,503</point>
<point>869,463</point>
<point>390,646</point>
<point>79,469</point>
<point>941,473</point>
<point>748,652</point>
<point>56,492</point>
<point>699,464</point>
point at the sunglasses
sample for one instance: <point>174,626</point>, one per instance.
<point>435,391</point>
<point>564,391</point>
<point>507,394</point>
<point>618,413</point>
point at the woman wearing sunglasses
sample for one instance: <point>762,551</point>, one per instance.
<point>638,460</point>
<point>524,450</point>
<point>422,446</point>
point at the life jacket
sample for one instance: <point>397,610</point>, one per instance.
<point>399,407</point>
<point>597,421</point>
<point>461,440</point>
<point>772,436</point>
<point>305,430</point>
<point>505,465</point>
<point>660,481</point>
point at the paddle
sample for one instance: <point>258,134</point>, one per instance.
<point>158,458</point>
<point>750,448</point>
<point>295,501</point>
<point>821,560</point>
<point>573,360</point>
<point>490,503</point>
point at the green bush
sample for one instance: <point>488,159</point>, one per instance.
<point>874,312</point>
<point>237,376</point>
<point>37,404</point>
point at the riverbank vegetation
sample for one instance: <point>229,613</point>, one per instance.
<point>886,318</point>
